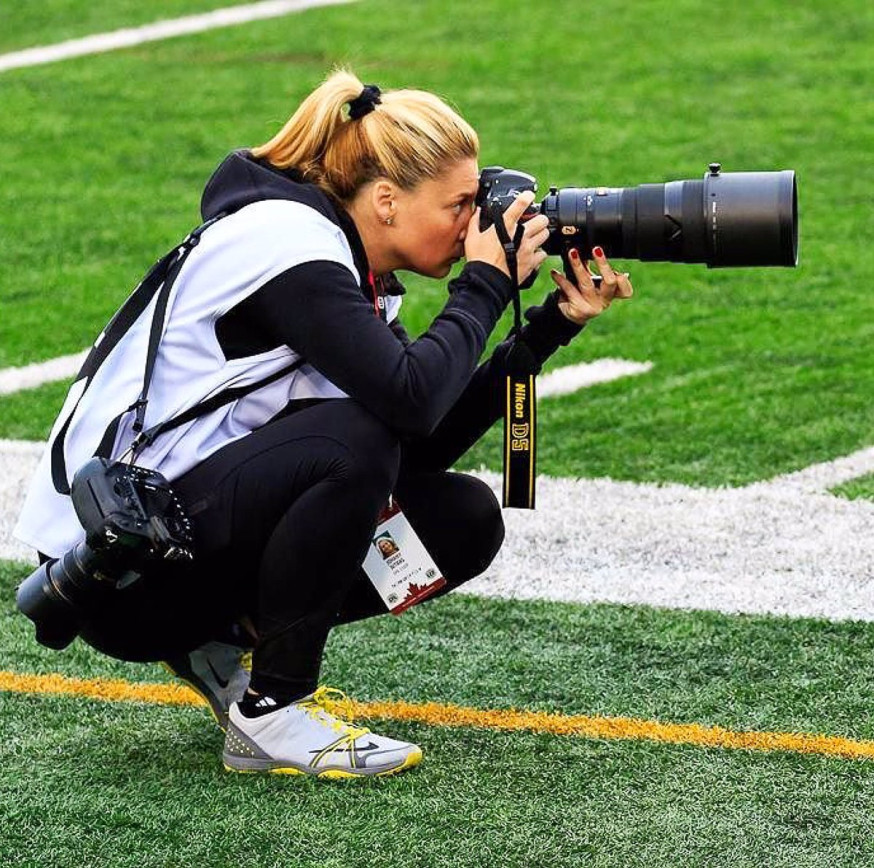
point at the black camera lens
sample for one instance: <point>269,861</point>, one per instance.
<point>130,516</point>
<point>724,220</point>
<point>50,595</point>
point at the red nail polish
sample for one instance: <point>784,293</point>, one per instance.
<point>598,252</point>
<point>575,254</point>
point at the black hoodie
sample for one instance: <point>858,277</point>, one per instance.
<point>320,311</point>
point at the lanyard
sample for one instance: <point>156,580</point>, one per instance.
<point>378,293</point>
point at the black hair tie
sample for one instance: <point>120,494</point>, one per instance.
<point>365,102</point>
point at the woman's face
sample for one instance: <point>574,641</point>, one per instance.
<point>430,222</point>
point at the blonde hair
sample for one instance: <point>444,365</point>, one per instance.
<point>410,136</point>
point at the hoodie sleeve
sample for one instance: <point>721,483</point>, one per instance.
<point>318,309</point>
<point>482,402</point>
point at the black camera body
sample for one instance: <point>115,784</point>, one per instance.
<point>726,219</point>
<point>128,508</point>
<point>498,187</point>
<point>131,517</point>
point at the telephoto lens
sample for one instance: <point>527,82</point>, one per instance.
<point>51,594</point>
<point>727,219</point>
<point>131,517</point>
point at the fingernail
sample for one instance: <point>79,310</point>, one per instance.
<point>575,254</point>
<point>597,251</point>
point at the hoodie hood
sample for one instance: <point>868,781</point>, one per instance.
<point>241,180</point>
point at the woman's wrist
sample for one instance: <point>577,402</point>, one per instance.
<point>477,272</point>
<point>548,328</point>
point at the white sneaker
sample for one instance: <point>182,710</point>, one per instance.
<point>219,672</point>
<point>305,738</point>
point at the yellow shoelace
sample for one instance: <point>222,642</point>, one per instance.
<point>336,705</point>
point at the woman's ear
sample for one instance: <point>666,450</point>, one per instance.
<point>384,199</point>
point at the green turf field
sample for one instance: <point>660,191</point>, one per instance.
<point>861,487</point>
<point>756,373</point>
<point>128,785</point>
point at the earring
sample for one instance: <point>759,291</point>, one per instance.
<point>389,221</point>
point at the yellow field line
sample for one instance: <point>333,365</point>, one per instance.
<point>439,714</point>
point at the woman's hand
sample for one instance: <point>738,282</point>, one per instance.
<point>582,300</point>
<point>486,247</point>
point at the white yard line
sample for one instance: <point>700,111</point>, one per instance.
<point>821,477</point>
<point>771,547</point>
<point>31,376</point>
<point>129,36</point>
<point>564,381</point>
<point>561,381</point>
<point>18,461</point>
<point>782,546</point>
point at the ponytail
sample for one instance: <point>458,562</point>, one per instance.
<point>406,136</point>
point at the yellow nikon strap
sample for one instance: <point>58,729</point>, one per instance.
<point>520,422</point>
<point>520,410</point>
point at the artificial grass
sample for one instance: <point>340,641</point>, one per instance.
<point>24,413</point>
<point>134,786</point>
<point>738,672</point>
<point>863,487</point>
<point>121,784</point>
<point>757,371</point>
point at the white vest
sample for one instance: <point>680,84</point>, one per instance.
<point>235,256</point>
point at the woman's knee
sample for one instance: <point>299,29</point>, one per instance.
<point>458,518</point>
<point>481,515</point>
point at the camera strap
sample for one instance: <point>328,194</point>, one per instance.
<point>159,279</point>
<point>520,408</point>
<point>146,436</point>
<point>160,314</point>
<point>149,435</point>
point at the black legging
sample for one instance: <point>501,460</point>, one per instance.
<point>282,521</point>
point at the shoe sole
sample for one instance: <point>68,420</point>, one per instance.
<point>413,759</point>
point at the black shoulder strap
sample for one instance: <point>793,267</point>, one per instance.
<point>162,274</point>
<point>182,253</point>
<point>147,437</point>
<point>160,279</point>
<point>118,326</point>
